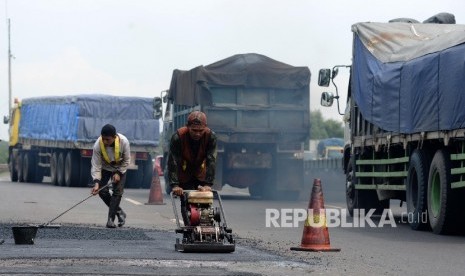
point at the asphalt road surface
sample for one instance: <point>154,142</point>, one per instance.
<point>145,246</point>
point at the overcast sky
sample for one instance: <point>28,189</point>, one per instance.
<point>131,47</point>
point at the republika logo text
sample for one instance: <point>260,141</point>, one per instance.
<point>327,217</point>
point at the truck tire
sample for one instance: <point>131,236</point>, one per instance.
<point>361,199</point>
<point>53,168</point>
<point>12,168</point>
<point>39,176</point>
<point>147,173</point>
<point>29,167</point>
<point>40,171</point>
<point>71,169</point>
<point>350,187</point>
<point>255,190</point>
<point>37,173</point>
<point>25,167</point>
<point>264,192</point>
<point>20,167</point>
<point>134,177</point>
<point>84,172</point>
<point>61,169</point>
<point>441,203</point>
<point>417,186</point>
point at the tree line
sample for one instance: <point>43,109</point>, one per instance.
<point>3,152</point>
<point>321,128</point>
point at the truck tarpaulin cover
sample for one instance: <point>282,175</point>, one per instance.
<point>80,118</point>
<point>246,70</point>
<point>410,78</point>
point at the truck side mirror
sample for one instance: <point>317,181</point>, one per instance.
<point>157,102</point>
<point>324,77</point>
<point>327,99</point>
<point>335,72</point>
<point>6,119</point>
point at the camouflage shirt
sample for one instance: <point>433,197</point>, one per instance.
<point>175,158</point>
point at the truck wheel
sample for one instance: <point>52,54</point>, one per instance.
<point>25,167</point>
<point>255,190</point>
<point>39,171</point>
<point>12,167</point>
<point>71,173</point>
<point>53,168</point>
<point>20,167</point>
<point>28,167</point>
<point>350,187</point>
<point>39,177</point>
<point>440,198</point>
<point>84,172</point>
<point>417,184</point>
<point>61,169</point>
<point>361,199</point>
<point>134,177</point>
<point>147,173</point>
<point>37,174</point>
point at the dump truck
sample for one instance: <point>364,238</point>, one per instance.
<point>405,121</point>
<point>330,148</point>
<point>259,109</point>
<point>53,136</point>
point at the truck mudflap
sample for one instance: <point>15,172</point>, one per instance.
<point>132,165</point>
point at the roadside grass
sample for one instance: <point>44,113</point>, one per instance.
<point>3,152</point>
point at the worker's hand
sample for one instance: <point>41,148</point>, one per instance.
<point>95,189</point>
<point>205,188</point>
<point>115,178</point>
<point>177,191</point>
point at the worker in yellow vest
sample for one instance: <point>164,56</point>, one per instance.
<point>110,158</point>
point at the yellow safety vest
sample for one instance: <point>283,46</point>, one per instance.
<point>104,151</point>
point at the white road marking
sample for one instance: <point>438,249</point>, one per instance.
<point>135,202</point>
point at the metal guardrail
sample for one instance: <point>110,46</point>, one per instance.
<point>334,163</point>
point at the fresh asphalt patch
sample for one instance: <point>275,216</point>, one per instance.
<point>92,247</point>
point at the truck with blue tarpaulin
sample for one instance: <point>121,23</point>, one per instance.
<point>53,136</point>
<point>405,118</point>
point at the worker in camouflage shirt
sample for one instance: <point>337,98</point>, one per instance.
<point>192,158</point>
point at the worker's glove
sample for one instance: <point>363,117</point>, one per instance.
<point>177,191</point>
<point>96,187</point>
<point>205,188</point>
<point>116,177</point>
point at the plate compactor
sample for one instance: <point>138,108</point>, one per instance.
<point>205,229</point>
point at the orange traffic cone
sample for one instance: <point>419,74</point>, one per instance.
<point>155,196</point>
<point>316,236</point>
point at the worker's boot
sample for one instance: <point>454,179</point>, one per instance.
<point>114,203</point>
<point>106,197</point>
<point>111,222</point>
<point>121,217</point>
